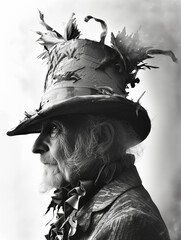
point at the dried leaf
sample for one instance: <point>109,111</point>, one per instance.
<point>49,38</point>
<point>47,26</point>
<point>133,53</point>
<point>163,52</point>
<point>71,30</point>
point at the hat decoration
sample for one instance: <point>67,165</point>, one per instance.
<point>129,47</point>
<point>86,76</point>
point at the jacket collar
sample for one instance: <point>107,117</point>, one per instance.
<point>126,181</point>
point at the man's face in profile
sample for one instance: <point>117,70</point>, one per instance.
<point>68,149</point>
<point>74,148</point>
<point>54,146</point>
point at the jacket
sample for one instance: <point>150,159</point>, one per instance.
<point>121,210</point>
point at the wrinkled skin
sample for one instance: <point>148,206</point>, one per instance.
<point>51,144</point>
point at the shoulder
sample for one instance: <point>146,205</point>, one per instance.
<point>134,204</point>
<point>133,216</point>
<point>134,225</point>
<point>134,201</point>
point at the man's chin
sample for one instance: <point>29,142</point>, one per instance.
<point>51,178</point>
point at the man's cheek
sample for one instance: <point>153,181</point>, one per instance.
<point>58,152</point>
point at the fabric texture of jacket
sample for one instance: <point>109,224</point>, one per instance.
<point>123,210</point>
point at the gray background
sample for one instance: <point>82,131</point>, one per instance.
<point>22,76</point>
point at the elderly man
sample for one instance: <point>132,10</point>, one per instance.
<point>87,125</point>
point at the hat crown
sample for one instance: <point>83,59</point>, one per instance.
<point>85,63</point>
<point>79,65</point>
<point>70,58</point>
<point>88,77</point>
<point>82,67</point>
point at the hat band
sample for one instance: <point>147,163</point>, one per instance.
<point>58,94</point>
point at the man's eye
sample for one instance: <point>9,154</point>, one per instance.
<point>53,129</point>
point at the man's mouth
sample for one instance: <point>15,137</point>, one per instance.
<point>49,163</point>
<point>45,162</point>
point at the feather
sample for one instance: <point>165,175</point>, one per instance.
<point>47,26</point>
<point>71,30</point>
<point>133,53</point>
<point>130,47</point>
<point>114,42</point>
<point>163,52</point>
<point>130,53</point>
<point>48,39</point>
<point>51,37</point>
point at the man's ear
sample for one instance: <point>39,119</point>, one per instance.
<point>106,136</point>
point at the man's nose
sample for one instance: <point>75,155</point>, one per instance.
<point>40,145</point>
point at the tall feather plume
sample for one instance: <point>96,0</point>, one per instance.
<point>49,38</point>
<point>71,30</point>
<point>133,53</point>
<point>52,37</point>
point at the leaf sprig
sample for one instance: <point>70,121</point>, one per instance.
<point>51,37</point>
<point>133,53</point>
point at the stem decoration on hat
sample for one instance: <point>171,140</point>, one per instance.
<point>103,25</point>
<point>131,51</point>
<point>86,76</point>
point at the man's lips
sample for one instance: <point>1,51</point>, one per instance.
<point>45,163</point>
<point>48,162</point>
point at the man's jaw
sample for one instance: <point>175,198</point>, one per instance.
<point>52,178</point>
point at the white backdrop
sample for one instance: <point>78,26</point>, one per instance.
<point>22,77</point>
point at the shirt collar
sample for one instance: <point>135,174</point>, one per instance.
<point>127,180</point>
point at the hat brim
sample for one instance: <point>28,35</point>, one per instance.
<point>118,107</point>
